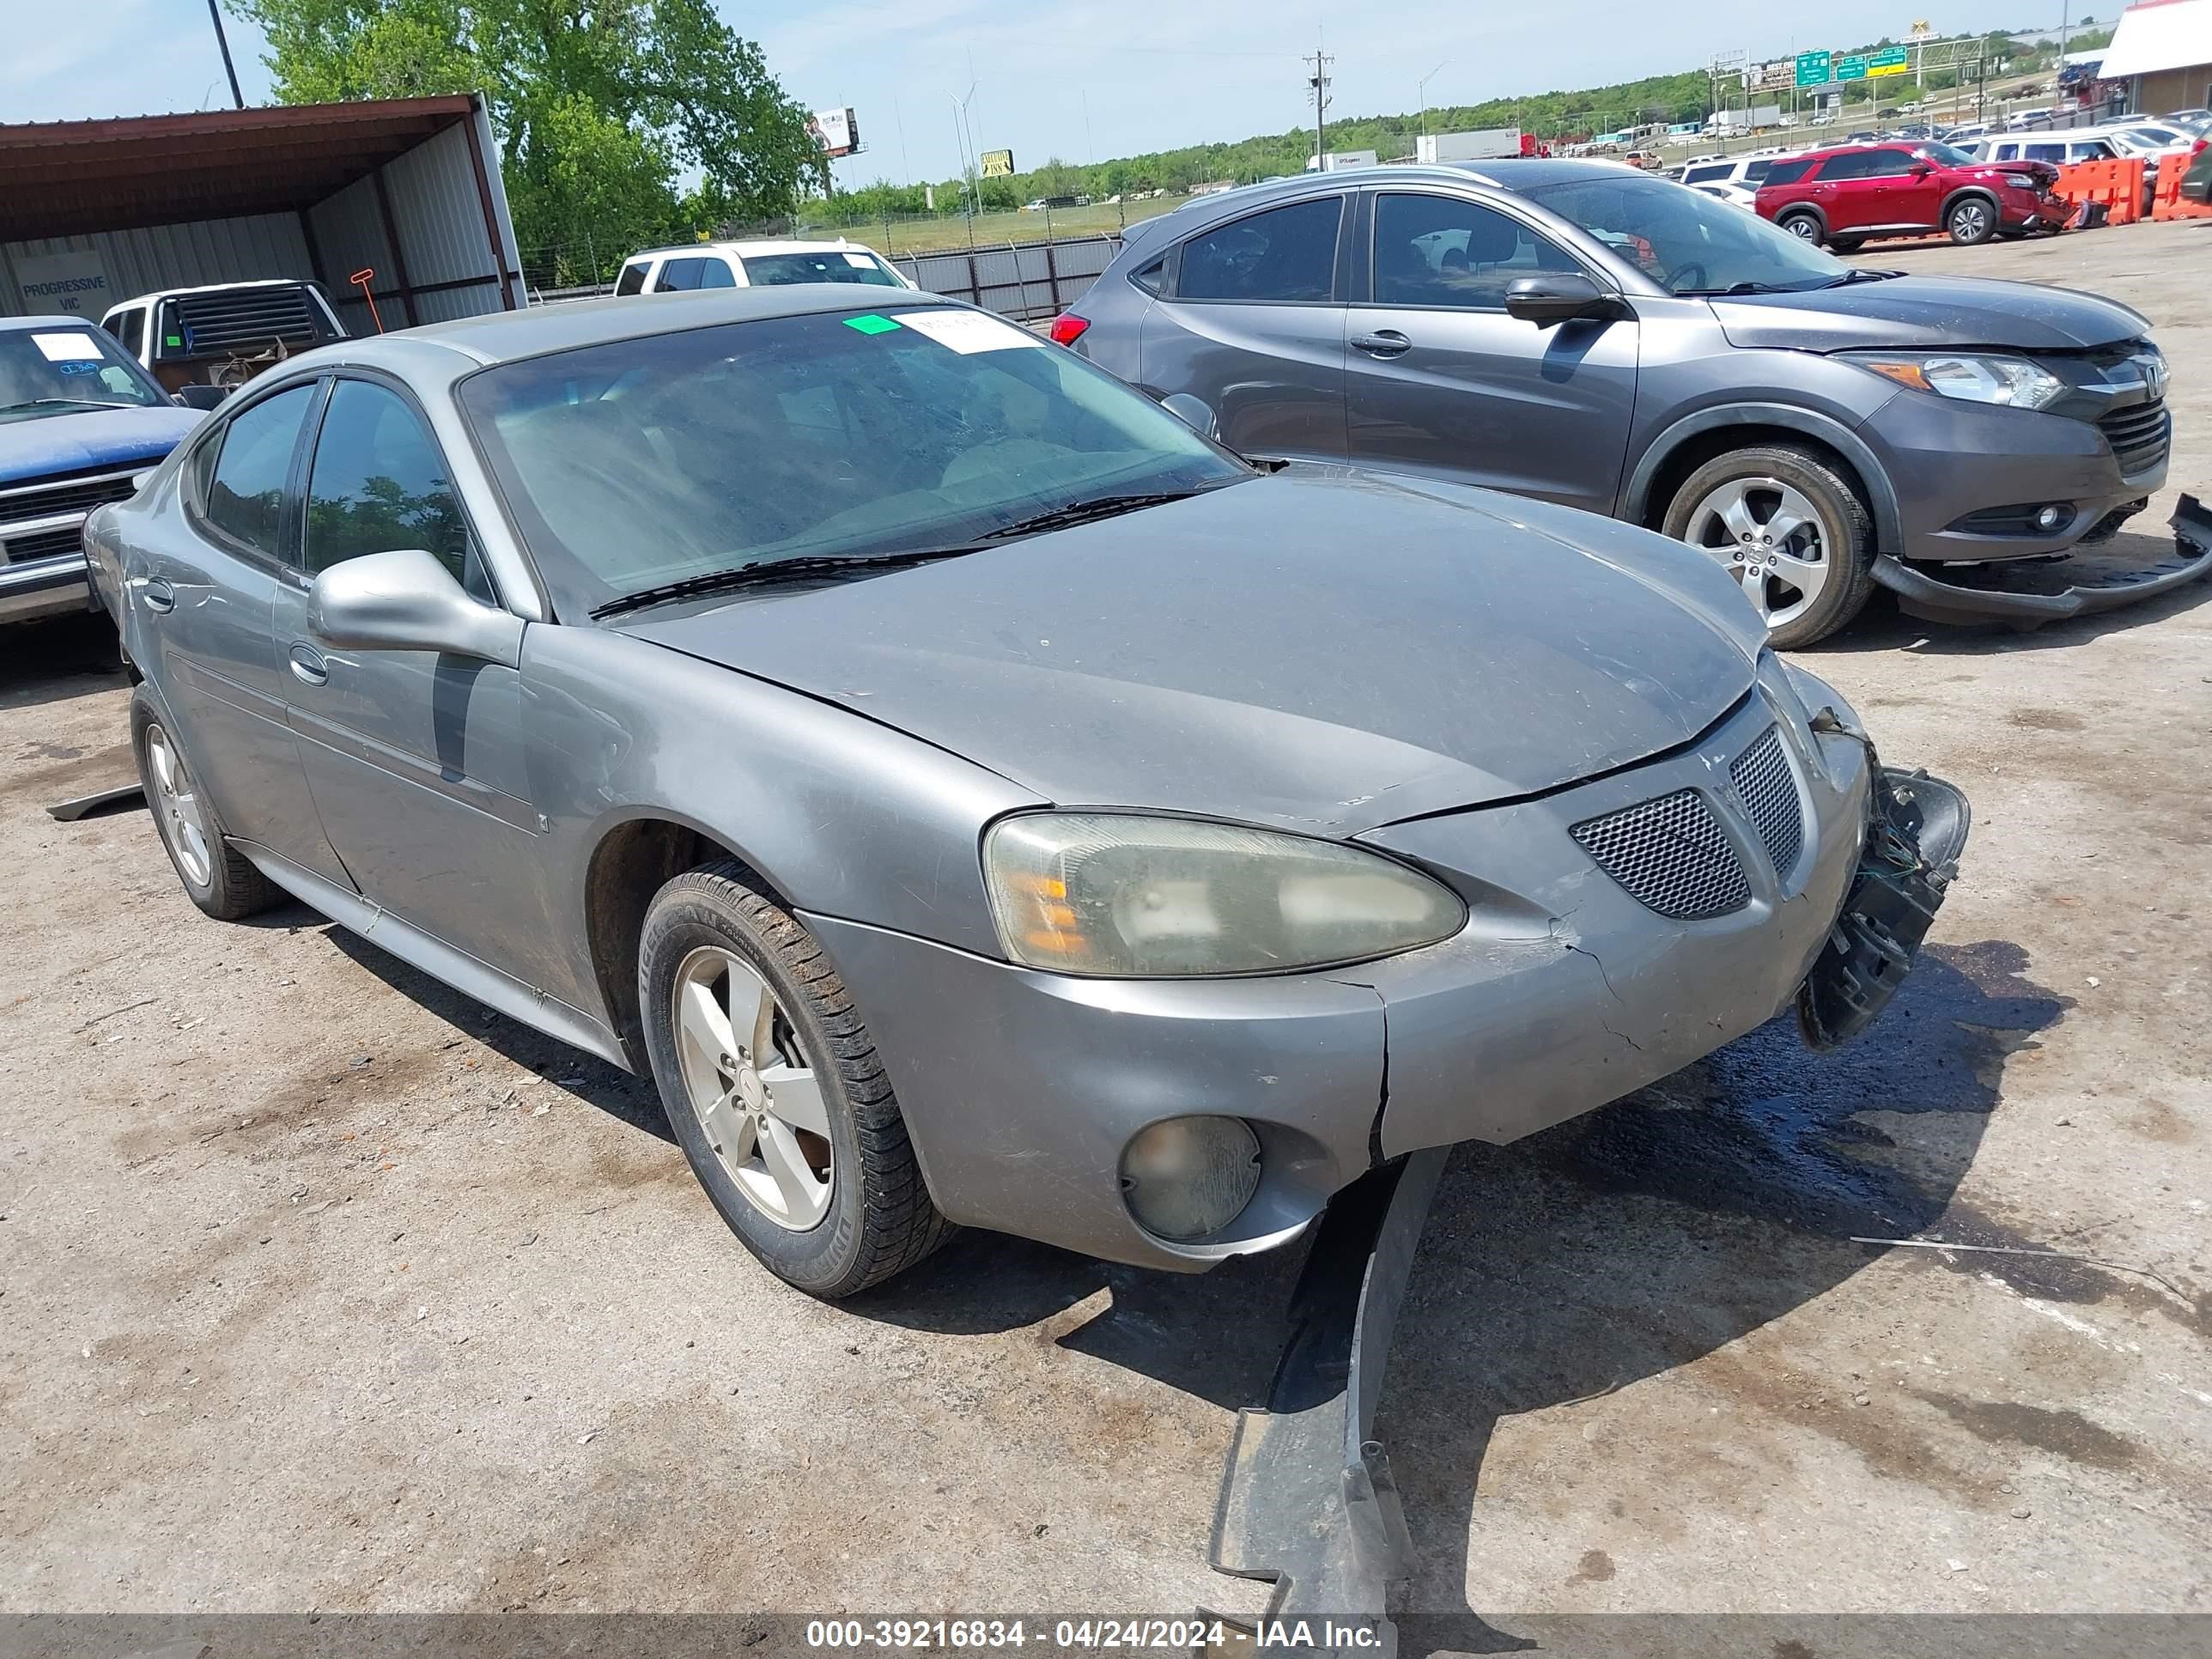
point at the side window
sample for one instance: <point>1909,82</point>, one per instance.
<point>379,483</point>
<point>1441,251</point>
<point>245,494</point>
<point>1286,253</point>
<point>679,273</point>
<point>1707,174</point>
<point>716,273</point>
<point>130,327</point>
<point>2053,153</point>
<point>1153,276</point>
<point>1787,173</point>
<point>1755,171</point>
<point>632,280</point>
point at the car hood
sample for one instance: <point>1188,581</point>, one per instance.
<point>45,445</point>
<point>1928,311</point>
<point>1319,649</point>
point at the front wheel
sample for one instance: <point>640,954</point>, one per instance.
<point>1971,222</point>
<point>1790,530</point>
<point>774,1091</point>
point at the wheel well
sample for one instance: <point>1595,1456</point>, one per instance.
<point>634,861</point>
<point>1695,451</point>
<point>1802,210</point>
<point>1953,199</point>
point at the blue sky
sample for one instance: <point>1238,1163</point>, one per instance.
<point>1075,78</point>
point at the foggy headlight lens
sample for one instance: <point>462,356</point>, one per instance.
<point>1132,896</point>
<point>2008,382</point>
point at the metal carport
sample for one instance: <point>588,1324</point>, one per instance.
<point>93,213</point>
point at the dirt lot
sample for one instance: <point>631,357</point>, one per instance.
<point>322,1287</point>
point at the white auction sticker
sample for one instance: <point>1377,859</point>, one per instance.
<point>967,331</point>
<point>71,348</point>
<point>861,261</point>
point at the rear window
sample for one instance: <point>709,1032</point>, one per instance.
<point>1753,172</point>
<point>831,266</point>
<point>1789,173</point>
<point>632,280</point>
<point>1286,253</point>
<point>1706,175</point>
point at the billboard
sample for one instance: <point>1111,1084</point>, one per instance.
<point>1769,77</point>
<point>997,163</point>
<point>835,130</point>
<point>71,284</point>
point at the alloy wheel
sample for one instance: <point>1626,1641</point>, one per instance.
<point>1771,539</point>
<point>177,808</point>
<point>1804,228</point>
<point>1970,221</point>
<point>754,1092</point>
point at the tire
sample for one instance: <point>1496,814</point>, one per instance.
<point>1847,244</point>
<point>216,875</point>
<point>1758,476</point>
<point>1970,220</point>
<point>1806,226</point>
<point>875,1218</point>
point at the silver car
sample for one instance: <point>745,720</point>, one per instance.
<point>973,795</point>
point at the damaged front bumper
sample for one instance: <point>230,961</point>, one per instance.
<point>2027,595</point>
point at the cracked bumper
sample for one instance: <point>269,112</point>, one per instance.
<point>1021,1088</point>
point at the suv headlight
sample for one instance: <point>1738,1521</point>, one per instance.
<point>1126,895</point>
<point>2009,382</point>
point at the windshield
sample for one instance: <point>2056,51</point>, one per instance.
<point>61,370</point>
<point>768,269</point>
<point>1688,243</point>
<point>643,462</point>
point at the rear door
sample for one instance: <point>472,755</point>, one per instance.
<point>1439,380</point>
<point>416,759</point>
<point>203,586</point>
<point>1253,325</point>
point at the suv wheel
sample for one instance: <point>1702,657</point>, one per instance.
<point>1847,244</point>
<point>1805,227</point>
<point>1971,221</point>
<point>1792,532</point>
<point>774,1091</point>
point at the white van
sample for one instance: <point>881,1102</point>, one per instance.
<point>1745,170</point>
<point>754,265</point>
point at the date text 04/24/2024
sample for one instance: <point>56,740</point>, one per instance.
<point>1091,1635</point>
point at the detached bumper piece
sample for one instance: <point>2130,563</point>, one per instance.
<point>2027,594</point>
<point>1916,827</point>
<point>1307,1499</point>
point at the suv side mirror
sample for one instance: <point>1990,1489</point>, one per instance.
<point>1558,296</point>
<point>1922,169</point>
<point>406,600</point>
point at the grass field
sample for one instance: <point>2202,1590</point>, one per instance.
<point>941,235</point>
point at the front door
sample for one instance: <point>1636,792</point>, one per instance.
<point>1888,189</point>
<point>1439,380</point>
<point>1254,328</point>
<point>416,759</point>
<point>204,587</point>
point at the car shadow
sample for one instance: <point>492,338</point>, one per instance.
<point>58,657</point>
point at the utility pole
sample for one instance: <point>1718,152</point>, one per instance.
<point>1423,94</point>
<point>214,17</point>
<point>1319,81</point>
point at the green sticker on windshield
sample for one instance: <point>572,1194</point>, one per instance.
<point>871,323</point>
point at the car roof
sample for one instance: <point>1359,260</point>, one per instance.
<point>15,325</point>
<point>503,336</point>
<point>765,246</point>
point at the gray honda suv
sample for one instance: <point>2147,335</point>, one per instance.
<point>1588,334</point>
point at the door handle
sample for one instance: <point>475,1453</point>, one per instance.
<point>1384,343</point>
<point>309,666</point>
<point>157,595</point>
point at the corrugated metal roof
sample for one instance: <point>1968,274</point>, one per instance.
<point>68,177</point>
<point>2160,34</point>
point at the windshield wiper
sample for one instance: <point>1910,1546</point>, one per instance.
<point>1736,288</point>
<point>60,403</point>
<point>762,573</point>
<point>1098,507</point>
<point>1857,275</point>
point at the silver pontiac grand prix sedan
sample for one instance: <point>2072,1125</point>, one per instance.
<point>975,796</point>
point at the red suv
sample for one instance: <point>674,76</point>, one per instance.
<point>1844,196</point>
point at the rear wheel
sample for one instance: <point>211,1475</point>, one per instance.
<point>1790,530</point>
<point>1805,227</point>
<point>1971,221</point>
<point>1848,244</point>
<point>217,876</point>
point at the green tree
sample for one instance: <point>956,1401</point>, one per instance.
<point>599,105</point>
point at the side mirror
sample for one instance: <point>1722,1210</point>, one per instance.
<point>200,395</point>
<point>406,600</point>
<point>1921,169</point>
<point>1192,412</point>
<point>1557,297</point>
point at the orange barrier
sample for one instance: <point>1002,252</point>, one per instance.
<point>2117,185</point>
<point>2167,201</point>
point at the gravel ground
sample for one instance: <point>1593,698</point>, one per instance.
<point>322,1287</point>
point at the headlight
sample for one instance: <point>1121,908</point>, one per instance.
<point>2026,181</point>
<point>2010,382</point>
<point>1132,896</point>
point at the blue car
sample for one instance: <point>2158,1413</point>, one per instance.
<point>79,422</point>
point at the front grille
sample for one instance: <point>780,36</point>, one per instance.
<point>1763,781</point>
<point>1670,855</point>
<point>41,544</point>
<point>2139,435</point>
<point>76,496</point>
<point>241,320</point>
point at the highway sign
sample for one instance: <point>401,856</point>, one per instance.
<point>1890,60</point>
<point>1815,69</point>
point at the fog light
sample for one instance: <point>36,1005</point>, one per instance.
<point>2050,518</point>
<point>1184,1177</point>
